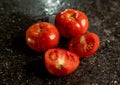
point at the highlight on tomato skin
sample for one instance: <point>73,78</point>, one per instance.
<point>85,45</point>
<point>60,62</point>
<point>42,36</point>
<point>71,22</point>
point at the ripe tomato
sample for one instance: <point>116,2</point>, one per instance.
<point>71,22</point>
<point>42,36</point>
<point>60,62</point>
<point>84,45</point>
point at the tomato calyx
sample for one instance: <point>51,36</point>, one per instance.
<point>42,27</point>
<point>71,16</point>
<point>40,30</point>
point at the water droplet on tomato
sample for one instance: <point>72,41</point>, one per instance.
<point>83,22</point>
<point>30,40</point>
<point>52,36</point>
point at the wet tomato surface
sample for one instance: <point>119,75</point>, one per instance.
<point>42,36</point>
<point>71,22</point>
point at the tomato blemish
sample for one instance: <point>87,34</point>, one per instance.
<point>53,56</point>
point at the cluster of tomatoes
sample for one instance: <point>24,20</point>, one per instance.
<point>71,24</point>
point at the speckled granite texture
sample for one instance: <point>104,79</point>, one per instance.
<point>19,65</point>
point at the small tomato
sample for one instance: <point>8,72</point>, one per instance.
<point>42,36</point>
<point>60,62</point>
<point>84,45</point>
<point>71,22</point>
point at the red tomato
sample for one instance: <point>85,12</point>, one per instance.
<point>84,45</point>
<point>71,22</point>
<point>60,62</point>
<point>42,36</point>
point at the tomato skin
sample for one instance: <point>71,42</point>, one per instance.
<point>71,23</point>
<point>84,45</point>
<point>42,36</point>
<point>61,62</point>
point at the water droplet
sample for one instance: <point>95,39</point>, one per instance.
<point>31,40</point>
<point>52,37</point>
<point>83,22</point>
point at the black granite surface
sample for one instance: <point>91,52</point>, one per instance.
<point>19,65</point>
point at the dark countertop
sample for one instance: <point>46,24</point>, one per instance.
<point>21,66</point>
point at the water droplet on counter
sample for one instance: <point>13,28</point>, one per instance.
<point>107,32</point>
<point>46,9</point>
<point>1,9</point>
<point>94,84</point>
<point>13,21</point>
<point>115,82</point>
<point>49,83</point>
<point>19,19</point>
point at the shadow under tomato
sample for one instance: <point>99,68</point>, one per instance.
<point>36,67</point>
<point>63,43</point>
<point>20,46</point>
<point>19,24</point>
<point>34,61</point>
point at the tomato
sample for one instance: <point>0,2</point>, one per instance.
<point>61,62</point>
<point>71,22</point>
<point>42,36</point>
<point>84,45</point>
